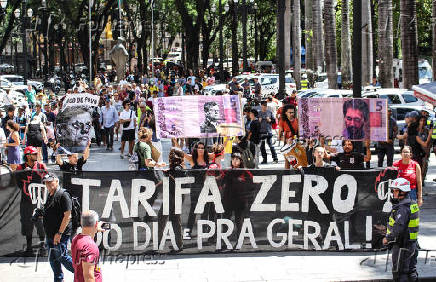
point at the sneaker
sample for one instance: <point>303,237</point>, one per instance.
<point>264,162</point>
<point>128,155</point>
<point>275,162</point>
<point>122,156</point>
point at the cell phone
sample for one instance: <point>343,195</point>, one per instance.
<point>106,226</point>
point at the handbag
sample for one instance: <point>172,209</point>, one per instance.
<point>127,123</point>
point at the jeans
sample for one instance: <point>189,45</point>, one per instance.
<point>109,133</point>
<point>44,153</point>
<point>271,147</point>
<point>385,149</point>
<point>256,154</point>
<point>404,262</point>
<point>57,255</point>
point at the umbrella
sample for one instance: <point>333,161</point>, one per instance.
<point>426,92</point>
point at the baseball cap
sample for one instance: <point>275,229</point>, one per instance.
<point>49,177</point>
<point>414,114</point>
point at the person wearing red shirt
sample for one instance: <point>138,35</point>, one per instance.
<point>85,251</point>
<point>411,171</point>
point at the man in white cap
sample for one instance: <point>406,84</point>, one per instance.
<point>402,232</point>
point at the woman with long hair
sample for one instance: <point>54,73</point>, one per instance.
<point>13,144</point>
<point>176,169</point>
<point>425,135</point>
<point>238,192</point>
<point>200,157</point>
<point>288,127</point>
<point>410,170</point>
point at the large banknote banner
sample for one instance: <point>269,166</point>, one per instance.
<point>348,118</point>
<point>204,211</point>
<point>198,116</point>
<point>74,121</point>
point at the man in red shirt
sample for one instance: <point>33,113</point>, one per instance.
<point>85,251</point>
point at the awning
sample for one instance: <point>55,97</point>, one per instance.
<point>426,92</point>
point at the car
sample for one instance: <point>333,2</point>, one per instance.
<point>19,80</point>
<point>395,96</point>
<point>213,89</point>
<point>6,68</point>
<point>333,93</point>
<point>17,96</point>
<point>323,82</point>
<point>399,113</point>
<point>5,84</point>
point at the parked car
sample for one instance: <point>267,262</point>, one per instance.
<point>17,96</point>
<point>19,80</point>
<point>213,89</point>
<point>395,96</point>
<point>5,84</point>
<point>399,113</point>
<point>7,68</point>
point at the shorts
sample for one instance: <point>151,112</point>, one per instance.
<point>34,141</point>
<point>128,135</point>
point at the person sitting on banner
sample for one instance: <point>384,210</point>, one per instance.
<point>32,171</point>
<point>143,149</point>
<point>176,169</point>
<point>57,226</point>
<point>74,163</point>
<point>356,117</point>
<point>238,191</point>
<point>350,159</point>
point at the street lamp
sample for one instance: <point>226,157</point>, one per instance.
<point>256,45</point>
<point>26,13</point>
<point>3,4</point>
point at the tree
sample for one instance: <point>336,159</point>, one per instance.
<point>433,30</point>
<point>296,32</point>
<point>192,23</point>
<point>409,42</point>
<point>235,57</point>
<point>318,47</point>
<point>367,46</point>
<point>8,17</point>
<point>330,43</point>
<point>385,44</point>
<point>308,35</point>
<point>346,63</point>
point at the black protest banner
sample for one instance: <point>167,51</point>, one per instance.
<point>204,211</point>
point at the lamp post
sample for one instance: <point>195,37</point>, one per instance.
<point>244,33</point>
<point>152,38</point>
<point>256,46</point>
<point>24,14</point>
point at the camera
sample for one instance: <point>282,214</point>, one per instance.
<point>106,226</point>
<point>37,213</point>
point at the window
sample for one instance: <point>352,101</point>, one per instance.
<point>289,79</point>
<point>392,99</point>
<point>401,113</point>
<point>409,98</point>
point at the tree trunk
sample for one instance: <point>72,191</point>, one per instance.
<point>318,48</point>
<point>346,63</point>
<point>281,47</point>
<point>367,50</point>
<point>385,44</point>
<point>409,43</point>
<point>433,30</point>
<point>235,63</point>
<point>330,43</point>
<point>308,39</point>
<point>296,21</point>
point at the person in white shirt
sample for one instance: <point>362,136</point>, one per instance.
<point>128,122</point>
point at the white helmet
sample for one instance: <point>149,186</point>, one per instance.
<point>401,184</point>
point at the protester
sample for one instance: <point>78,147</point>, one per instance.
<point>9,116</point>
<point>84,251</point>
<point>288,126</point>
<point>319,154</point>
<point>57,226</point>
<point>266,119</point>
<point>31,171</point>
<point>128,121</point>
<point>387,148</point>
<point>143,150</point>
<point>254,136</point>
<point>74,163</point>
<point>411,171</point>
<point>35,134</point>
<point>13,144</point>
<point>200,157</point>
<point>108,118</point>
<point>176,169</point>
<point>31,96</point>
<point>350,159</point>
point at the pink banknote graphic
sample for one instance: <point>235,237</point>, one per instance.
<point>347,118</point>
<point>198,116</point>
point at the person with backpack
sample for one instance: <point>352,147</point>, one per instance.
<point>57,226</point>
<point>288,126</point>
<point>143,150</point>
<point>128,121</point>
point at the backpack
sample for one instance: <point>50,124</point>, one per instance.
<point>248,157</point>
<point>76,211</point>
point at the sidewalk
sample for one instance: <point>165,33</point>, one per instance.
<point>284,266</point>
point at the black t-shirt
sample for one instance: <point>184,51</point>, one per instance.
<point>54,209</point>
<point>51,117</point>
<point>255,131</point>
<point>66,166</point>
<point>352,160</point>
